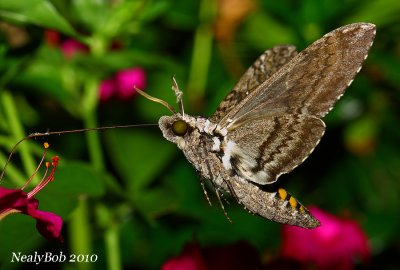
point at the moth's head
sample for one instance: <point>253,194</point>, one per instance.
<point>175,129</point>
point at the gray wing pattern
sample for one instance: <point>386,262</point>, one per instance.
<point>271,146</point>
<point>266,65</point>
<point>313,80</point>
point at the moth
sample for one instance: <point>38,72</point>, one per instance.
<point>270,121</point>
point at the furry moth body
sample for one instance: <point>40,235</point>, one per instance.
<point>270,121</point>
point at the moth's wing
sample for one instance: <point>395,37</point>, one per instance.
<point>313,80</point>
<point>262,149</point>
<point>266,65</point>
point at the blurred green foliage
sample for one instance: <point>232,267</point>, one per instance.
<point>129,188</point>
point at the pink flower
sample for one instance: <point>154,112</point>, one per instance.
<point>190,259</point>
<point>240,255</point>
<point>122,84</point>
<point>18,201</point>
<point>126,80</point>
<point>70,47</point>
<point>333,245</point>
<point>107,89</point>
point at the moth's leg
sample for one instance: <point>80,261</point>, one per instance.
<point>223,197</point>
<point>216,188</point>
<point>231,190</point>
<point>220,202</point>
<point>202,180</point>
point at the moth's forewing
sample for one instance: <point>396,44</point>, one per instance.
<point>266,64</point>
<point>312,81</point>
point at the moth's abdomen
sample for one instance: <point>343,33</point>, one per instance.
<point>277,206</point>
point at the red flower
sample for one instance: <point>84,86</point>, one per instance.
<point>18,201</point>
<point>123,84</point>
<point>52,38</point>
<point>333,245</point>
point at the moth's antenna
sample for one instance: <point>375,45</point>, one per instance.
<point>162,102</point>
<point>178,94</point>
<point>37,135</point>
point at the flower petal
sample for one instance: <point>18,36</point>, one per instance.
<point>106,89</point>
<point>15,200</point>
<point>333,245</point>
<point>48,224</point>
<point>12,199</point>
<point>190,259</point>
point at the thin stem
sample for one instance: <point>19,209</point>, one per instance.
<point>113,247</point>
<point>202,49</point>
<point>80,232</point>
<point>81,240</point>
<point>90,121</point>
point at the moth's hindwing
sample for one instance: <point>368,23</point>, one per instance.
<point>263,149</point>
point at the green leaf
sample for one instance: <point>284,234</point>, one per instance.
<point>155,9</point>
<point>116,60</point>
<point>380,12</point>
<point>39,12</point>
<point>71,181</point>
<point>18,234</point>
<point>272,32</point>
<point>155,202</point>
<point>118,16</point>
<point>139,156</point>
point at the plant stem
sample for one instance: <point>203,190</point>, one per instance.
<point>81,240</point>
<point>112,247</point>
<point>80,232</point>
<point>90,121</point>
<point>17,131</point>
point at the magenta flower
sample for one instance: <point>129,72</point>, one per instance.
<point>70,47</point>
<point>18,201</point>
<point>334,245</point>
<point>190,259</point>
<point>122,84</point>
<point>126,80</point>
<point>107,89</point>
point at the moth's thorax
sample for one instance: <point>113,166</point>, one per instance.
<point>204,125</point>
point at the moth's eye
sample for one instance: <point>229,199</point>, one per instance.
<point>179,127</point>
